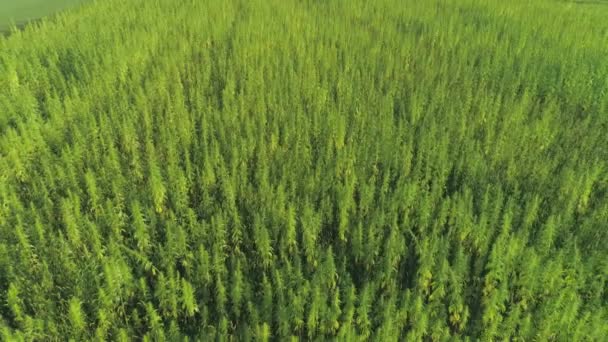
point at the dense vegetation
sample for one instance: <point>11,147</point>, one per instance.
<point>281,169</point>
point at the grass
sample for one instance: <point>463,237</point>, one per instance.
<point>21,11</point>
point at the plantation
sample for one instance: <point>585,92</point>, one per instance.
<point>181,170</point>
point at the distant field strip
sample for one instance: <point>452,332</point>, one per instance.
<point>20,12</point>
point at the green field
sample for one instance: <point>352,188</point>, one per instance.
<point>306,170</point>
<point>21,11</point>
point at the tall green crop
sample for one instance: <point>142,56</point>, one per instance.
<point>305,170</point>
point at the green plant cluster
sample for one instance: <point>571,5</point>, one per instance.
<point>386,170</point>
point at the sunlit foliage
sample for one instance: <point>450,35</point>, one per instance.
<point>306,170</point>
